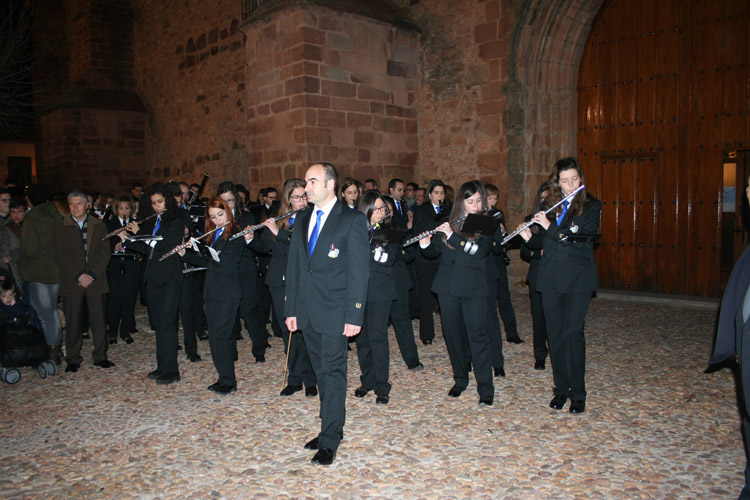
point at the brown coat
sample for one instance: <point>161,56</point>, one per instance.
<point>68,245</point>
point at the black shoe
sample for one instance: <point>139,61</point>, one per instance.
<point>360,392</point>
<point>168,379</point>
<point>427,342</point>
<point>558,402</point>
<point>260,359</point>
<point>485,400</point>
<point>112,341</point>
<point>324,456</point>
<point>516,340</point>
<point>313,444</point>
<point>539,365</point>
<point>154,374</point>
<point>456,391</point>
<point>85,336</point>
<point>194,357</point>
<point>179,347</point>
<point>577,406</point>
<point>72,367</point>
<point>290,389</point>
<point>202,336</point>
<point>220,388</point>
<point>499,372</point>
<point>133,330</point>
<point>128,340</point>
<point>417,367</point>
<point>311,392</point>
<point>381,400</point>
<point>105,363</point>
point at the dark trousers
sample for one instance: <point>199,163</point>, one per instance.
<point>745,493</point>
<point>426,272</point>
<point>185,308</point>
<point>300,368</point>
<point>565,314</point>
<point>494,332</point>
<point>401,319</point>
<point>465,320</point>
<point>537,315</point>
<point>73,309</point>
<point>123,292</point>
<point>372,348</point>
<point>250,311</point>
<point>163,302</point>
<point>221,316</point>
<point>197,281</point>
<point>328,357</point>
<point>504,303</point>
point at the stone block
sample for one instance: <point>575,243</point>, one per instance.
<point>344,104</point>
<point>485,32</point>
<point>329,23</point>
<point>306,52</point>
<point>340,42</point>
<point>410,159</point>
<point>393,125</point>
<point>313,36</point>
<point>357,120</point>
<point>400,69</point>
<point>338,89</point>
<point>372,94</point>
<point>302,84</point>
<point>213,35</point>
<point>363,155</point>
<point>364,139</point>
<point>280,106</point>
<point>328,118</point>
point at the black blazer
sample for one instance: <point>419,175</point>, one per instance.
<point>381,285</point>
<point>159,273</point>
<point>329,288</point>
<point>425,219</point>
<point>460,273</point>
<point>223,277</point>
<point>568,266</point>
<point>279,247</point>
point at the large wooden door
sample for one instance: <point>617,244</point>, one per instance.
<point>663,94</point>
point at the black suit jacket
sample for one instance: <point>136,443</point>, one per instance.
<point>569,266</point>
<point>223,277</point>
<point>159,273</point>
<point>460,273</point>
<point>329,288</point>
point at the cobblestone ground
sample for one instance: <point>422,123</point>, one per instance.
<point>655,426</point>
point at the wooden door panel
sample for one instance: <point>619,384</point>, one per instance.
<point>607,258</point>
<point>645,218</point>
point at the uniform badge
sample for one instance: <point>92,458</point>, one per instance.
<point>573,228</point>
<point>358,305</point>
<point>333,252</point>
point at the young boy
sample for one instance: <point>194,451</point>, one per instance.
<point>16,308</point>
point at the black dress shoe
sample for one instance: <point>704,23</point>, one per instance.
<point>577,406</point>
<point>539,365</point>
<point>179,347</point>
<point>311,392</point>
<point>290,389</point>
<point>154,374</point>
<point>313,444</point>
<point>558,402</point>
<point>456,391</point>
<point>128,340</point>
<point>516,340</point>
<point>427,342</point>
<point>417,367</point>
<point>105,363</point>
<point>259,359</point>
<point>220,388</point>
<point>381,400</point>
<point>324,456</point>
<point>202,336</point>
<point>112,341</point>
<point>360,392</point>
<point>485,400</point>
<point>72,367</point>
<point>499,372</point>
<point>168,379</point>
<point>194,358</point>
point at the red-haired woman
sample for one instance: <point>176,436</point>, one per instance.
<point>221,293</point>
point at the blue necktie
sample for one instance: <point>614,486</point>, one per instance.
<point>291,221</point>
<point>562,215</point>
<point>157,225</point>
<point>216,236</point>
<point>314,235</point>
<point>437,209</point>
<point>398,207</point>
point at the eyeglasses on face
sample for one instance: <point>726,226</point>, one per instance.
<point>298,198</point>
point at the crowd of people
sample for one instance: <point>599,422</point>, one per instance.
<point>328,262</point>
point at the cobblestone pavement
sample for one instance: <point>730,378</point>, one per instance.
<point>655,426</point>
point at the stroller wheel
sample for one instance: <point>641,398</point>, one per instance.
<point>51,368</point>
<point>42,371</point>
<point>10,375</point>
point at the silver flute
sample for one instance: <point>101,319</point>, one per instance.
<point>258,226</point>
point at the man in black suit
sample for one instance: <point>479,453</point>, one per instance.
<point>396,191</point>
<point>326,287</point>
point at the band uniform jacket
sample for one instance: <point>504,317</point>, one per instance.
<point>568,266</point>
<point>381,285</point>
<point>127,258</point>
<point>70,261</point>
<point>172,233</point>
<point>460,274</point>
<point>425,219</point>
<point>223,277</point>
<point>329,288</point>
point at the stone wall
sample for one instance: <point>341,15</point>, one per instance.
<point>190,75</point>
<point>327,86</point>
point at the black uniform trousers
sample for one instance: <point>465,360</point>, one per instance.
<point>465,320</point>
<point>300,368</point>
<point>185,308</point>
<point>537,313</point>
<point>565,315</point>
<point>426,272</point>
<point>328,355</point>
<point>198,280</point>
<point>163,301</point>
<point>250,310</point>
<point>372,347</point>
<point>507,313</point>
<point>494,332</point>
<point>401,319</point>
<point>73,307</point>
<point>221,318</point>
<point>122,276</point>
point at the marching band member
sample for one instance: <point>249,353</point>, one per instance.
<point>122,273</point>
<point>351,190</point>
<point>462,291</point>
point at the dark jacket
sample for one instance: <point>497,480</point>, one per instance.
<point>37,261</point>
<point>223,277</point>
<point>159,273</point>
<point>462,271</point>
<point>70,259</point>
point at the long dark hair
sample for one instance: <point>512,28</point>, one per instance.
<point>467,190</point>
<point>366,203</point>
<point>145,209</point>
<point>210,226</point>
<point>346,183</point>
<point>285,206</point>
<point>539,204</point>
<point>555,191</point>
